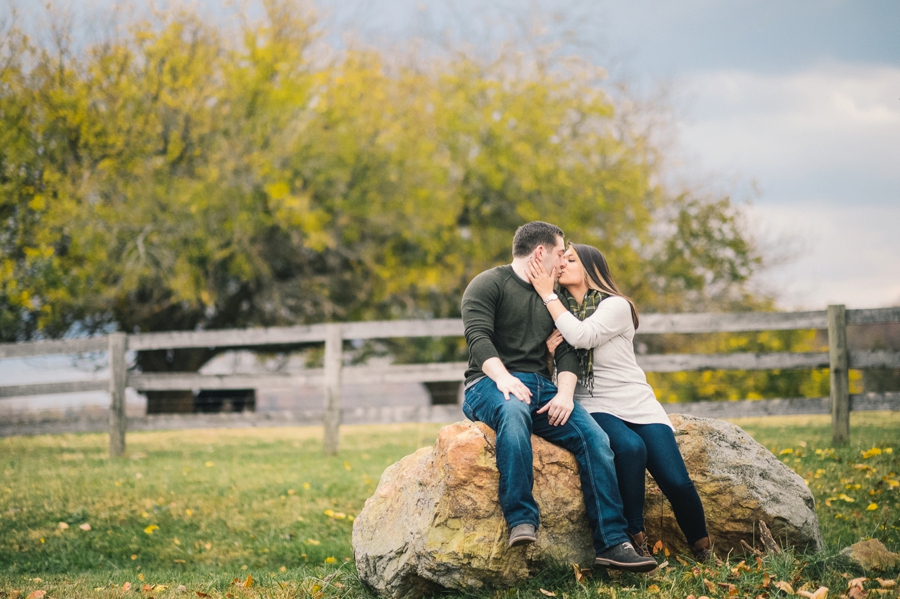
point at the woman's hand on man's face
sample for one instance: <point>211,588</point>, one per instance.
<point>541,280</point>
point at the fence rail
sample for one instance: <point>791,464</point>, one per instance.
<point>835,320</point>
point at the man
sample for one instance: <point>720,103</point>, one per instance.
<point>508,387</point>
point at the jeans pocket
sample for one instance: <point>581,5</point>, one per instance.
<point>471,399</point>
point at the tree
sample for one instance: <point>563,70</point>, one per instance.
<point>181,176</point>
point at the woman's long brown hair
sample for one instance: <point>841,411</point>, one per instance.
<point>596,271</point>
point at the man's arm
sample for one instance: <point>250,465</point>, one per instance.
<point>479,307</point>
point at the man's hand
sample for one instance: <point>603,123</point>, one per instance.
<point>510,385</point>
<point>558,409</point>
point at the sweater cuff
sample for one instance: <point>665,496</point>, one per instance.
<point>568,362</point>
<point>482,351</point>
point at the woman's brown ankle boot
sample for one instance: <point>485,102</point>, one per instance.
<point>702,550</point>
<point>639,541</point>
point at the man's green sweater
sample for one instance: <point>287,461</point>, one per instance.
<point>504,318</point>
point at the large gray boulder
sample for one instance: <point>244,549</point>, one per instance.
<point>740,484</point>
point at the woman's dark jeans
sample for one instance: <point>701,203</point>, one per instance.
<point>514,421</point>
<point>652,446</point>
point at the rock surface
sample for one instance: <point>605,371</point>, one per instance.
<point>434,521</point>
<point>740,483</point>
<point>871,555</point>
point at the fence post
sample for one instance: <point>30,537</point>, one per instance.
<point>839,375</point>
<point>117,375</point>
<point>334,360</point>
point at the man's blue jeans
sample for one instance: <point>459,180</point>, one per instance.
<point>514,421</point>
<point>653,446</point>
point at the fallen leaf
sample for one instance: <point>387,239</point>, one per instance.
<point>872,507</point>
<point>330,560</point>
<point>857,593</point>
<point>690,597</point>
<point>819,593</point>
<point>657,547</point>
<point>36,594</point>
<point>146,588</point>
<point>732,589</point>
<point>126,587</point>
<point>886,584</point>
<point>766,580</point>
<point>857,582</point>
<point>652,589</point>
<point>63,526</point>
<point>85,526</point>
<point>199,594</point>
<point>548,593</point>
<point>249,582</point>
<point>681,560</point>
<point>159,587</point>
<point>784,586</point>
<point>149,530</point>
<point>710,586</point>
<point>181,588</point>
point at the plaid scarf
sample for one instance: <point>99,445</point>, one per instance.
<point>585,356</point>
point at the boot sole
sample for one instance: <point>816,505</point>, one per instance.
<point>648,566</point>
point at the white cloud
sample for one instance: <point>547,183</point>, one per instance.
<point>849,254</point>
<point>824,147</point>
<point>836,118</point>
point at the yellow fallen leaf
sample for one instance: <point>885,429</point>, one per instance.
<point>248,582</point>
<point>159,587</point>
<point>306,486</point>
<point>188,513</point>
<point>149,530</point>
<point>347,465</point>
<point>36,594</point>
<point>547,593</point>
<point>652,589</point>
<point>85,526</point>
<point>330,560</point>
<point>63,526</point>
<point>329,513</point>
<point>710,586</point>
<point>208,464</point>
<point>784,587</point>
<point>857,582</point>
<point>819,593</point>
<point>141,577</point>
<point>282,569</point>
<point>872,507</point>
<point>887,584</point>
<point>312,542</point>
<point>133,556</point>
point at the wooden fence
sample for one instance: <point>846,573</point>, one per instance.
<point>835,320</point>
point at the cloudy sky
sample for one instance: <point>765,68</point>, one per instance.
<point>797,101</point>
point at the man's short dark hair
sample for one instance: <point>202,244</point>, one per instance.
<point>530,235</point>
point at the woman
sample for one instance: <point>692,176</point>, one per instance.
<point>593,316</point>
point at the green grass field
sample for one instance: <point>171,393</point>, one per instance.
<point>204,508</point>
